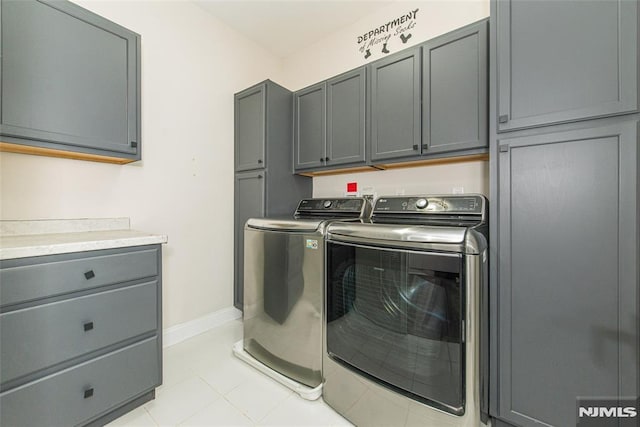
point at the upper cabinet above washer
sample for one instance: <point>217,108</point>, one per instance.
<point>70,83</point>
<point>329,125</point>
<point>565,61</point>
<point>454,90</point>
<point>346,118</point>
<point>395,105</point>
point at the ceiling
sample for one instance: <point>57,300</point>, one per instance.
<point>286,26</point>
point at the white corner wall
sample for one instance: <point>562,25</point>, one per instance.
<point>192,64</point>
<point>339,53</point>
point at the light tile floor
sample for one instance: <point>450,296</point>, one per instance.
<point>206,385</point>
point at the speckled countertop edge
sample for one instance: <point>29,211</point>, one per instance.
<point>22,239</point>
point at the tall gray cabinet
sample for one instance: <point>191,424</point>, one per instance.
<point>565,193</point>
<point>264,182</point>
<point>70,82</point>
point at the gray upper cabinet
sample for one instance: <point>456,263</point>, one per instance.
<point>395,106</point>
<point>455,86</point>
<point>567,295</point>
<point>310,127</point>
<point>70,81</point>
<point>250,128</point>
<point>346,130</point>
<point>560,61</point>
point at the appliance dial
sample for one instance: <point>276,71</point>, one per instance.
<point>327,204</point>
<point>421,203</point>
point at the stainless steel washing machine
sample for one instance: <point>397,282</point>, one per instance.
<point>284,291</point>
<point>405,333</point>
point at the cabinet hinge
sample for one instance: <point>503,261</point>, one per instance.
<point>504,148</point>
<point>134,144</point>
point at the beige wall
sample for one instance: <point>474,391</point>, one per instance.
<point>191,66</point>
<point>339,53</point>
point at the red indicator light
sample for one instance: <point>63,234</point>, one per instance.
<point>352,187</point>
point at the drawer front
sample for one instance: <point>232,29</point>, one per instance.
<point>76,395</point>
<point>73,272</point>
<point>41,336</point>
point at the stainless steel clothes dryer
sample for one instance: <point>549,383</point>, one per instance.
<point>284,290</point>
<point>404,311</point>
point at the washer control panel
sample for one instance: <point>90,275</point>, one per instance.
<point>343,205</point>
<point>463,204</point>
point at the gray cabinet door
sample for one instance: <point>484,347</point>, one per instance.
<point>395,106</point>
<point>70,79</point>
<point>346,118</point>
<point>310,127</point>
<point>455,86</point>
<point>249,203</point>
<point>250,130</point>
<point>561,61</point>
<point>568,267</point>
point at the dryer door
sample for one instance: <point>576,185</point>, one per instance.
<point>397,317</point>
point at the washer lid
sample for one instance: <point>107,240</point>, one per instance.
<point>285,224</point>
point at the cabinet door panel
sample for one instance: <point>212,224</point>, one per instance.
<point>568,270</point>
<point>395,106</point>
<point>564,60</point>
<point>454,105</point>
<point>346,118</point>
<point>310,127</point>
<point>68,77</point>
<point>250,131</point>
<point>249,203</point>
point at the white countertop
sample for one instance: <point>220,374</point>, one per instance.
<point>21,239</point>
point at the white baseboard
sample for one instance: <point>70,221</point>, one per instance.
<point>178,333</point>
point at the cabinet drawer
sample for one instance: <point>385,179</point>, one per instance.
<point>75,395</point>
<point>41,336</point>
<point>22,280</point>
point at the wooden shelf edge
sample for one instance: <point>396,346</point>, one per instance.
<point>339,171</point>
<point>50,152</point>
<point>431,162</point>
<point>400,165</point>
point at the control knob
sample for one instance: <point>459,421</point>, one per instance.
<point>421,203</point>
<point>327,204</point>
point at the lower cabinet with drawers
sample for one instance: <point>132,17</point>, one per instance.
<point>80,336</point>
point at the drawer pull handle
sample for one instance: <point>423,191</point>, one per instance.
<point>89,275</point>
<point>88,392</point>
<point>88,326</point>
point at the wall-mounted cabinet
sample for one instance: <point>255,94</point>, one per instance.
<point>70,83</point>
<point>329,122</point>
<point>310,127</point>
<point>264,183</point>
<point>421,104</point>
<point>346,118</point>
<point>455,70</point>
<point>565,61</point>
<point>395,106</point>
